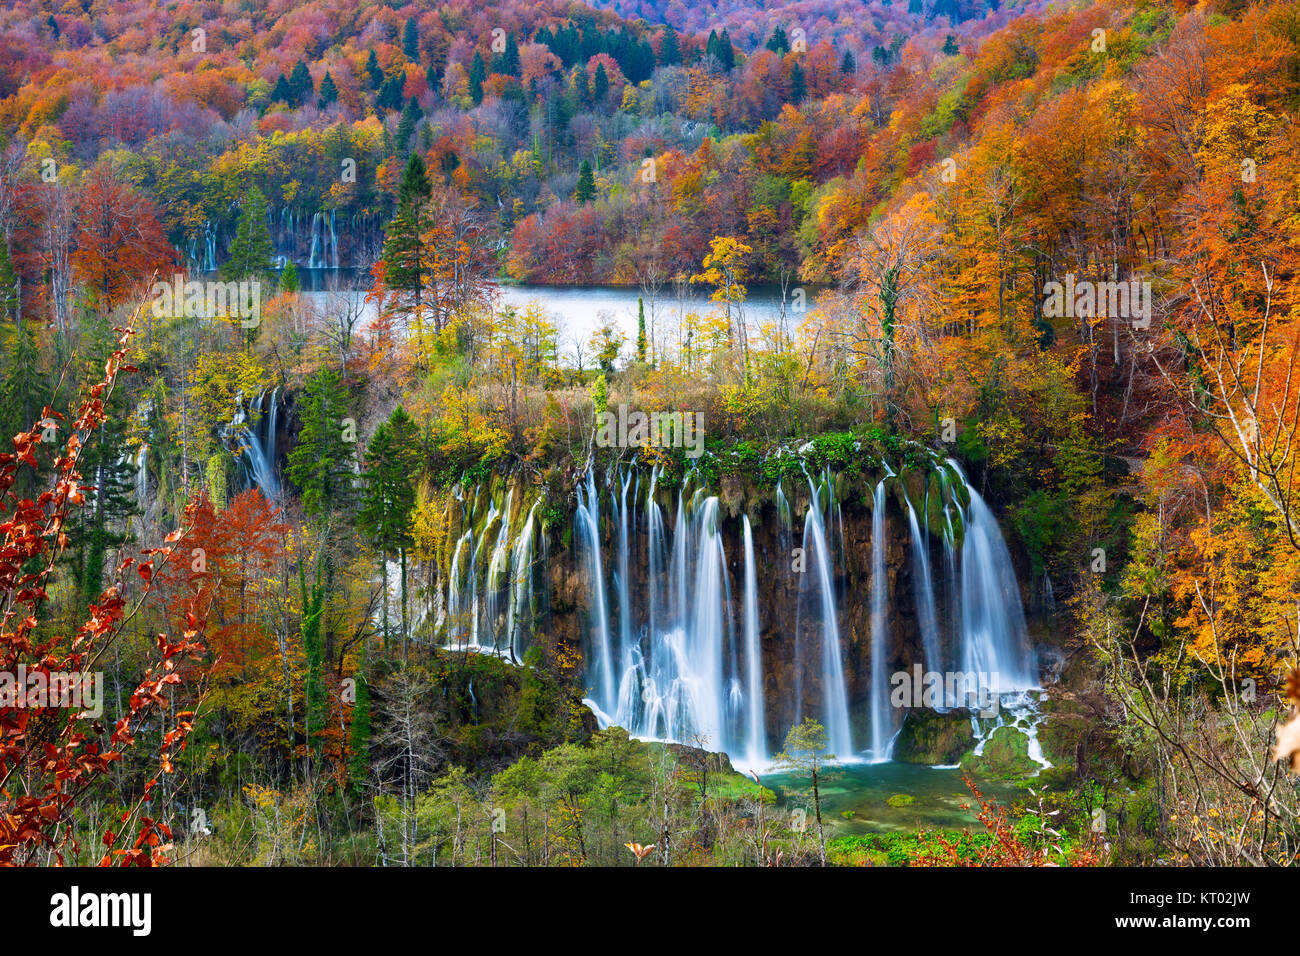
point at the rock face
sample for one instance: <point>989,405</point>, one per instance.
<point>929,737</point>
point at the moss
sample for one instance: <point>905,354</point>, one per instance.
<point>1006,755</point>
<point>901,800</point>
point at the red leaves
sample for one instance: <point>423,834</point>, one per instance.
<point>59,759</point>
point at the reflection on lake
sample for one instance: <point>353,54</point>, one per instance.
<point>578,311</point>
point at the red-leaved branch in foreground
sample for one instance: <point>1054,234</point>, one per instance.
<point>51,756</point>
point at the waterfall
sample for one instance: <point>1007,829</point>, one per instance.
<point>672,651</point>
<point>257,453</point>
<point>882,729</point>
<point>756,750</point>
<point>923,589</point>
<point>994,639</point>
<point>835,703</point>
<point>587,532</point>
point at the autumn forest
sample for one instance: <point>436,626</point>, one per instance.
<point>542,433</point>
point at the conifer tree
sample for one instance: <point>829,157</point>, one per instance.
<point>388,498</point>
<point>586,189</point>
<point>321,463</point>
<point>250,252</point>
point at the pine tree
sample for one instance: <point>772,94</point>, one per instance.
<point>321,463</point>
<point>950,47</point>
<point>411,40</point>
<point>411,115</point>
<point>586,190</point>
<point>282,92</point>
<point>670,48</point>
<point>250,252</point>
<point>300,83</point>
<point>600,84</point>
<point>477,74</point>
<point>373,71</point>
<point>849,63</point>
<point>388,499</point>
<point>289,278</point>
<point>407,259</point>
<point>798,84</point>
<point>329,92</point>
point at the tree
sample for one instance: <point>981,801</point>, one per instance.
<point>411,40</point>
<point>950,47</point>
<point>250,252</point>
<point>373,71</point>
<point>586,189</point>
<point>477,74</point>
<point>393,463</point>
<point>849,65</point>
<point>59,753</point>
<point>120,242</point>
<point>640,329</point>
<point>805,751</point>
<point>670,50</point>
<point>321,464</point>
<point>798,84</point>
<point>408,261</point>
<point>289,278</point>
<point>329,92</point>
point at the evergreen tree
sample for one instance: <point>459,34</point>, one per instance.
<point>950,47</point>
<point>389,96</point>
<point>289,278</point>
<point>411,40</point>
<point>778,42</point>
<point>23,391</point>
<point>321,464</point>
<point>670,48</point>
<point>586,190</point>
<point>477,74</point>
<point>329,92</point>
<point>798,84</point>
<point>282,92</point>
<point>359,732</point>
<point>507,61</point>
<point>250,252</point>
<point>406,256</point>
<point>411,115</point>
<point>600,84</point>
<point>300,83</point>
<point>726,53</point>
<point>373,71</point>
<point>849,63</point>
<point>388,499</point>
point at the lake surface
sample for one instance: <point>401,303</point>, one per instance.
<point>578,311</point>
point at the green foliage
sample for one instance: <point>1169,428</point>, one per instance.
<point>321,463</point>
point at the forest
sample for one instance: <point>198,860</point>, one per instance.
<point>919,488</point>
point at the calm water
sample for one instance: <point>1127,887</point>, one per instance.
<point>577,311</point>
<point>862,791</point>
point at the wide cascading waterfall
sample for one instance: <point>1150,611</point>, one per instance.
<point>882,729</point>
<point>681,670</point>
<point>709,620</point>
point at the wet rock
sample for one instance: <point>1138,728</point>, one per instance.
<point>929,737</point>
